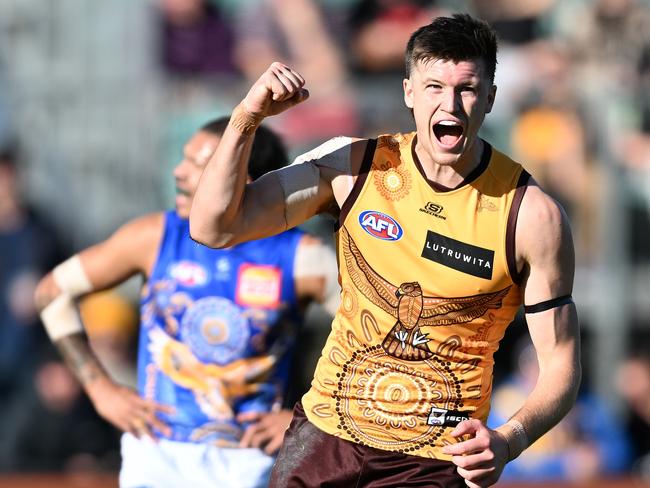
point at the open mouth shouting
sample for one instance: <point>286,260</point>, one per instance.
<point>448,133</point>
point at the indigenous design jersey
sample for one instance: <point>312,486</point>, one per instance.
<point>216,334</point>
<point>428,289</point>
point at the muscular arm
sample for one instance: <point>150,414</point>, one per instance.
<point>130,250</point>
<point>226,211</point>
<point>545,254</point>
<point>546,249</point>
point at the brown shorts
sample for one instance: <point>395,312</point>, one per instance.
<point>311,458</point>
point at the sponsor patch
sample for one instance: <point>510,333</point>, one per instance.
<point>442,416</point>
<point>188,273</point>
<point>380,225</point>
<point>258,286</point>
<point>458,255</point>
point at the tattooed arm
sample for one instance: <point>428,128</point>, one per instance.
<point>80,358</point>
<point>128,251</point>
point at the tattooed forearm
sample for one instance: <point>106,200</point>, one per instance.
<point>80,358</point>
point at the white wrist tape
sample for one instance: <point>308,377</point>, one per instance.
<point>71,277</point>
<point>300,180</point>
<point>517,438</point>
<point>319,260</point>
<point>61,318</point>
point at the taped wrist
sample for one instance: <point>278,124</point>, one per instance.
<point>61,317</point>
<point>71,278</point>
<point>516,438</point>
<point>245,121</point>
<point>317,259</point>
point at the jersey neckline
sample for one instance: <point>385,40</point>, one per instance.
<point>472,176</point>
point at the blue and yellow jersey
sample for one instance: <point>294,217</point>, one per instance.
<point>217,329</point>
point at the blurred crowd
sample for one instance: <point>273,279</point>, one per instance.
<point>573,105</point>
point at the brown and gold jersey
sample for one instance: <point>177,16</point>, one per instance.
<point>429,286</point>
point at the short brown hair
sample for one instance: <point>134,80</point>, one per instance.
<point>460,37</point>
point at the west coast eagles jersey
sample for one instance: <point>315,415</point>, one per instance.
<point>429,285</point>
<point>216,331</point>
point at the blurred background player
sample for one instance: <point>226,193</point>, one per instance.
<point>216,336</point>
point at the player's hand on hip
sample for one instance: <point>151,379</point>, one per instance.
<point>481,457</point>
<point>126,410</point>
<point>278,89</point>
<point>267,430</point>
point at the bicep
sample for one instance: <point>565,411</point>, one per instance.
<point>283,199</point>
<point>130,250</point>
<point>287,197</point>
<point>545,243</point>
<point>545,246</point>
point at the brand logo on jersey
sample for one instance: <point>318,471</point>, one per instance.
<point>222,269</point>
<point>380,225</point>
<point>259,286</point>
<point>442,416</point>
<point>433,209</point>
<point>458,255</point>
<point>188,273</point>
<point>485,203</point>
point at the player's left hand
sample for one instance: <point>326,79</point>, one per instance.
<point>267,430</point>
<point>481,458</point>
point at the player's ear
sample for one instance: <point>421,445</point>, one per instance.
<point>491,96</point>
<point>408,92</point>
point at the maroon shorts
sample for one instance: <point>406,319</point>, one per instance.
<point>310,458</point>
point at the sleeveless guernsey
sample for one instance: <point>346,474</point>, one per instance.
<point>217,331</point>
<point>429,286</point>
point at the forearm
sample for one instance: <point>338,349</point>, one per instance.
<point>226,210</point>
<point>55,299</point>
<point>80,358</point>
<point>218,201</point>
<point>553,396</point>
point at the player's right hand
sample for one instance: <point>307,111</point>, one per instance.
<point>126,410</point>
<point>278,89</point>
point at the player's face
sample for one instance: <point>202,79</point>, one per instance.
<point>449,102</point>
<point>196,153</point>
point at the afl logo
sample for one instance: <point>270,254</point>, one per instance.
<point>188,273</point>
<point>380,225</point>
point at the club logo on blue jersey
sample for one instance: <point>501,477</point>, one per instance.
<point>188,273</point>
<point>380,225</point>
<point>215,330</point>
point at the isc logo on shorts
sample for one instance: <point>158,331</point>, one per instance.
<point>380,225</point>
